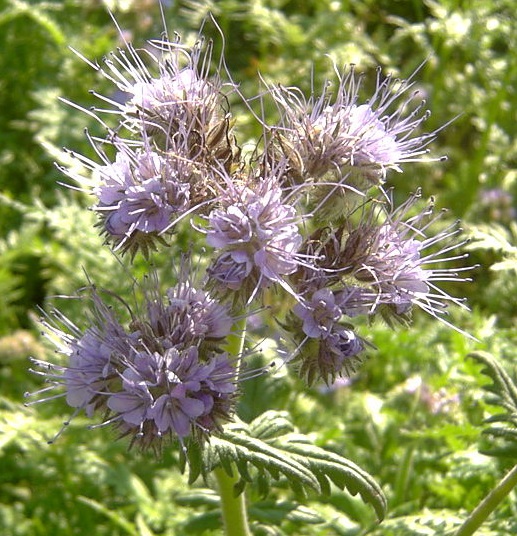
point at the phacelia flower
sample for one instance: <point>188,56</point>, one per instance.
<point>258,236</point>
<point>171,391</point>
<point>334,133</point>
<point>319,315</point>
<point>389,255</point>
<point>329,348</point>
<point>188,316</point>
<point>140,196</point>
<point>164,375</point>
<point>172,98</point>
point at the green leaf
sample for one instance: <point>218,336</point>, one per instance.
<point>192,454</point>
<point>503,394</point>
<point>236,447</point>
<point>428,523</point>
<point>341,471</point>
<point>282,454</point>
<point>271,424</point>
<point>115,517</point>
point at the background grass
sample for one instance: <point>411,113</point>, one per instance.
<point>414,414</point>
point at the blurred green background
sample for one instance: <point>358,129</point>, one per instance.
<point>414,415</point>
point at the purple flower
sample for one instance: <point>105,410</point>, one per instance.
<point>169,393</point>
<point>139,195</point>
<point>170,95</point>
<point>172,99</point>
<point>319,315</point>
<point>163,376</point>
<point>186,316</point>
<point>388,256</point>
<point>89,371</point>
<point>338,135</point>
<point>258,235</point>
<point>329,348</point>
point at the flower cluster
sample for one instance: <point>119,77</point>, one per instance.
<point>257,235</point>
<point>179,141</point>
<point>338,136</point>
<point>164,375</point>
<point>303,227</point>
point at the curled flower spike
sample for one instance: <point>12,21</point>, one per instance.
<point>172,98</point>
<point>174,393</point>
<point>188,316</point>
<point>165,375</point>
<point>334,133</point>
<point>390,256</point>
<point>178,131</point>
<point>138,197</point>
<point>329,349</point>
<point>258,235</point>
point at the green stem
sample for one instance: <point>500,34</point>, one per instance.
<point>233,508</point>
<point>401,483</point>
<point>489,504</point>
<point>235,344</point>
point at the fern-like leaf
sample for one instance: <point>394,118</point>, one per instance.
<point>503,394</point>
<point>269,449</point>
<point>330,467</point>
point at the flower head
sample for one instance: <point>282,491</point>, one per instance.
<point>173,393</point>
<point>336,134</point>
<point>172,98</point>
<point>162,376</point>
<point>139,195</point>
<point>389,261</point>
<point>257,234</point>
<point>329,348</point>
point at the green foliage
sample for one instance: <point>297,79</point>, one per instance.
<point>416,413</point>
<point>273,448</point>
<point>502,429</point>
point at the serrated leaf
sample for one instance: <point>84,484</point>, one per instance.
<point>503,387</point>
<point>193,454</point>
<point>429,523</point>
<point>262,484</point>
<point>503,393</point>
<point>242,466</point>
<point>234,447</point>
<point>341,471</point>
<point>271,424</point>
<point>290,456</point>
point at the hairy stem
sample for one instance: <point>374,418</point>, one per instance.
<point>233,508</point>
<point>236,339</point>
<point>489,504</point>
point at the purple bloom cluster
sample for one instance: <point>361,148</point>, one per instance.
<point>339,136</point>
<point>179,140</point>
<point>165,375</point>
<point>257,233</point>
<point>384,264</point>
<point>138,197</point>
<point>332,348</point>
<point>302,224</point>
